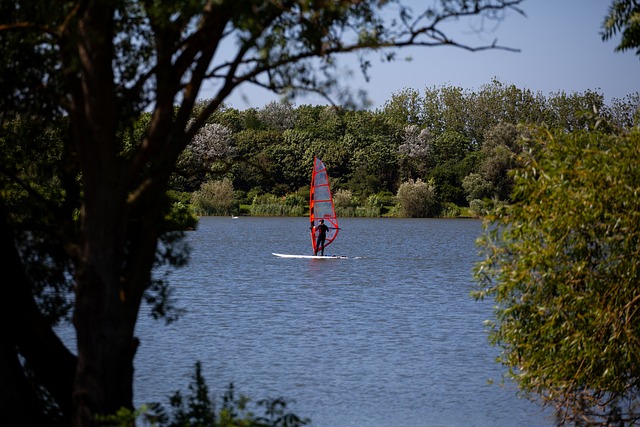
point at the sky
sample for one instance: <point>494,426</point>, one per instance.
<point>561,49</point>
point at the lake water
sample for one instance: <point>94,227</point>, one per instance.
<point>388,338</point>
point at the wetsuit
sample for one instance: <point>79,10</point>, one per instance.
<point>322,235</point>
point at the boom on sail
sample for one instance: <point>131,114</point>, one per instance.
<point>321,206</point>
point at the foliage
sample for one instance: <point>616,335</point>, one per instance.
<point>288,158</point>
<point>415,151</point>
<point>372,207</point>
<point>447,178</point>
<point>417,199</point>
<point>500,150</point>
<point>406,109</point>
<point>450,146</point>
<point>623,16</point>
<point>213,141</point>
<point>198,409</point>
<point>345,203</point>
<point>449,210</point>
<point>478,207</point>
<point>476,187</point>
<point>562,265</point>
<point>624,113</point>
<point>277,116</point>
<point>181,217</point>
<point>214,198</point>
<point>372,151</point>
<point>416,142</point>
<point>212,147</point>
<point>573,111</point>
<point>36,189</point>
<point>272,205</point>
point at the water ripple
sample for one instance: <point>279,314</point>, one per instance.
<point>389,339</point>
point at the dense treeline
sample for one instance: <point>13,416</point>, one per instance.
<point>457,145</point>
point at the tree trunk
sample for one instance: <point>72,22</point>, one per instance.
<point>105,313</point>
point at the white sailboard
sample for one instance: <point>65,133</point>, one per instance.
<point>321,210</point>
<point>311,256</point>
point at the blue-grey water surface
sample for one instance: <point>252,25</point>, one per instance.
<point>388,338</point>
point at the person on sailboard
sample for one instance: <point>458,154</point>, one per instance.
<point>321,229</point>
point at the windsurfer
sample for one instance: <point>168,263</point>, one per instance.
<point>321,229</point>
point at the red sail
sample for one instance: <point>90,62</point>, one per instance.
<point>321,205</point>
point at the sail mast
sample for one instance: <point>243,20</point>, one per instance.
<point>321,204</point>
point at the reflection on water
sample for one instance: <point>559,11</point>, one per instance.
<point>388,339</point>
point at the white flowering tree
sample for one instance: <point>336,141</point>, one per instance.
<point>278,115</point>
<point>416,142</point>
<point>213,143</point>
<point>415,150</point>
